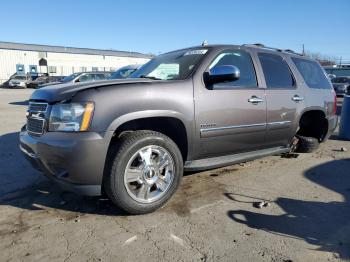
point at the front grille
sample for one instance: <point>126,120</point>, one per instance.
<point>36,118</point>
<point>37,107</point>
<point>35,125</point>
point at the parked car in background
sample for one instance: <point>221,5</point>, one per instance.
<point>124,72</point>
<point>331,76</point>
<point>341,85</point>
<point>44,80</point>
<point>191,109</point>
<point>82,77</point>
<point>19,81</point>
<point>6,84</point>
<point>339,70</point>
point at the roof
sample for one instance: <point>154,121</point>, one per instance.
<point>70,50</point>
<point>252,46</point>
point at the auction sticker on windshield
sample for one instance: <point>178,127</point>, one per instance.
<point>196,52</point>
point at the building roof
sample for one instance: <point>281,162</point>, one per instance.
<point>71,50</point>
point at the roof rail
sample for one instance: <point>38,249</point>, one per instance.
<point>272,48</point>
<point>292,52</point>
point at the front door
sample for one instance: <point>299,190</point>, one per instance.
<point>230,116</point>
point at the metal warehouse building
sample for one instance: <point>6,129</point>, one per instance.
<point>61,61</point>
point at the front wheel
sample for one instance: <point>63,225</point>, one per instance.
<point>145,170</point>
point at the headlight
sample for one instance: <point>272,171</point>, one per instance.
<point>72,117</point>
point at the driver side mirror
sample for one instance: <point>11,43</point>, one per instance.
<point>220,74</point>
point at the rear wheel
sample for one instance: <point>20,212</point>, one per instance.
<point>145,171</point>
<point>307,144</point>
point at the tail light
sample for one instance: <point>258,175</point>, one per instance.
<point>335,104</point>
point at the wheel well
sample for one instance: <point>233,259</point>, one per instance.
<point>169,126</point>
<point>313,124</point>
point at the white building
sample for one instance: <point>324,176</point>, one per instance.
<point>61,61</point>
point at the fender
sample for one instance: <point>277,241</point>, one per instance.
<point>152,113</point>
<point>311,108</point>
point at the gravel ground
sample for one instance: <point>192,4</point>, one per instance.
<point>211,218</point>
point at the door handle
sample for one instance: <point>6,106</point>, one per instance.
<point>255,100</point>
<point>297,98</point>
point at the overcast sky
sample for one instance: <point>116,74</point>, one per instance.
<point>160,26</point>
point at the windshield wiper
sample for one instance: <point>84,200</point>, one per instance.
<point>149,77</point>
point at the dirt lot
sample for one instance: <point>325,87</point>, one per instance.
<point>211,218</point>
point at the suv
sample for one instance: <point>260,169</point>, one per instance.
<point>192,109</point>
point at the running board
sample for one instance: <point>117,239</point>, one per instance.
<point>216,162</point>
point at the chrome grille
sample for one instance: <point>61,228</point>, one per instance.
<point>35,126</point>
<point>37,107</point>
<point>36,118</point>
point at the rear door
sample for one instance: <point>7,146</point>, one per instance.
<point>284,98</point>
<point>230,116</point>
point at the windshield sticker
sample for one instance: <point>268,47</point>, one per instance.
<point>196,52</point>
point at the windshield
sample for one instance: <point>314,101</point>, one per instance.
<point>341,80</point>
<point>20,78</point>
<point>122,73</point>
<point>70,77</point>
<point>176,65</point>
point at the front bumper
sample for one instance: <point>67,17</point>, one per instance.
<point>75,161</point>
<point>32,85</point>
<point>18,85</point>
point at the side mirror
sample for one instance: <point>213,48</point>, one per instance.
<point>220,74</point>
<point>77,80</point>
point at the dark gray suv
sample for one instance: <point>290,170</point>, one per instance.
<point>192,109</point>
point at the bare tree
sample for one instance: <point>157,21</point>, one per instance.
<point>324,60</point>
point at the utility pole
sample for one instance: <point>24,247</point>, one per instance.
<point>303,50</point>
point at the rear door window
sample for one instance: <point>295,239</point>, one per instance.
<point>313,74</point>
<point>276,71</point>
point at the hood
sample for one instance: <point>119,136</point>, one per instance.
<point>17,80</point>
<point>60,92</point>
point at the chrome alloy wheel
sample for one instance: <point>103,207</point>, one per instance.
<point>149,174</point>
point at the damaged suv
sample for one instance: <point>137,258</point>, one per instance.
<point>192,109</point>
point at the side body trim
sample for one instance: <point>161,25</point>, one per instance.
<point>230,130</point>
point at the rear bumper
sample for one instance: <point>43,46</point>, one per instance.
<point>75,161</point>
<point>340,93</point>
<point>332,125</point>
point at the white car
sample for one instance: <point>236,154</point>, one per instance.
<point>18,81</point>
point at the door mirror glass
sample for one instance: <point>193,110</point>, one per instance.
<point>222,73</point>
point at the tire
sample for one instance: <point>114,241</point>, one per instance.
<point>307,144</point>
<point>131,150</point>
